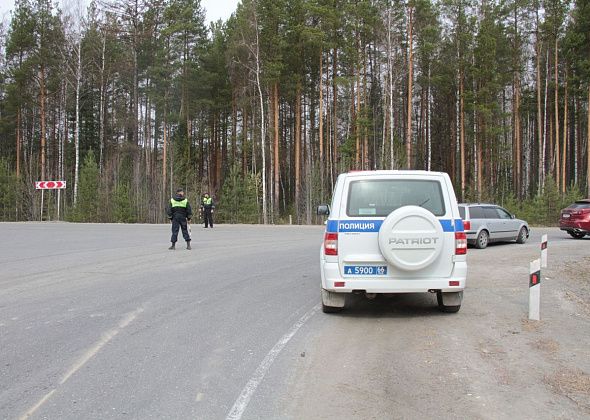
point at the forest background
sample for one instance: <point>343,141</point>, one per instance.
<point>129,99</point>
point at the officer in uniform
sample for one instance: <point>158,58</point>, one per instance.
<point>180,212</point>
<point>207,207</point>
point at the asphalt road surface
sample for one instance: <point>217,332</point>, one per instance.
<point>103,322</point>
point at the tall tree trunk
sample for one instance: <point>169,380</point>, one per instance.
<point>335,152</point>
<point>564,148</point>
<point>390,87</point>
<point>517,139</point>
<point>321,126</point>
<point>244,140</point>
<point>297,148</point>
<point>77,129</point>
<point>428,126</point>
<point>540,125</point>
<point>355,101</point>
<point>164,147</point>
<point>588,147</point>
<point>42,118</point>
<point>18,141</point>
<point>262,129</point>
<point>462,131</point>
<point>234,127</point>
<point>365,102</point>
<point>102,106</point>
<point>276,176</point>
<point>545,122</point>
<point>557,152</point>
<point>410,88</point>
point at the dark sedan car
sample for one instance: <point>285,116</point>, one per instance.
<point>575,219</point>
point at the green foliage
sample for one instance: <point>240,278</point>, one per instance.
<point>122,205</point>
<point>238,198</point>
<point>544,209</point>
<point>86,208</point>
<point>9,186</point>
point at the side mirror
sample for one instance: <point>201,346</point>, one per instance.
<point>323,210</point>
<point>513,216</point>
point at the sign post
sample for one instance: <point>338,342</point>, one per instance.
<point>535,290</point>
<point>50,185</point>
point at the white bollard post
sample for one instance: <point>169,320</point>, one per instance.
<point>535,290</point>
<point>544,251</point>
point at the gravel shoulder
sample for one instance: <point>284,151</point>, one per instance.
<point>399,357</point>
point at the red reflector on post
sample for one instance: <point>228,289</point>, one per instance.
<point>454,283</point>
<point>338,284</point>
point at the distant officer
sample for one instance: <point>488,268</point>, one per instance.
<point>179,212</point>
<point>207,207</point>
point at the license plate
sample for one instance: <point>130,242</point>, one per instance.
<point>365,270</point>
<point>565,215</point>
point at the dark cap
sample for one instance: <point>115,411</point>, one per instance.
<point>179,190</point>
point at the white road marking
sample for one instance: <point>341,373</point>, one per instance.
<point>243,400</point>
<point>89,354</point>
<point>36,406</point>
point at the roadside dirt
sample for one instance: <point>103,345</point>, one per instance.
<point>400,358</point>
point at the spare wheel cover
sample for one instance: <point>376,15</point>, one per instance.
<point>411,238</point>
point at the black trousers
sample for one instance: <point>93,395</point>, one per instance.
<point>208,217</point>
<point>178,223</point>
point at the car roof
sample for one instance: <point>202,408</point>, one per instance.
<point>393,172</point>
<point>479,204</point>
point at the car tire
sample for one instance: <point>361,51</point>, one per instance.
<point>522,235</point>
<point>482,240</point>
<point>331,309</point>
<point>449,309</point>
<point>576,235</point>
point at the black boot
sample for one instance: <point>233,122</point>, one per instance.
<point>173,246</point>
<point>188,245</point>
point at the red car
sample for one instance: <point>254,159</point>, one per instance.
<point>575,219</point>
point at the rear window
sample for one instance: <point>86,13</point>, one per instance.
<point>371,198</point>
<point>579,205</point>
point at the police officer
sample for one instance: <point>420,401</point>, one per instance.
<point>207,207</point>
<point>180,212</point>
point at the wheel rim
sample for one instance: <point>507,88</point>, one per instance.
<point>522,235</point>
<point>483,239</point>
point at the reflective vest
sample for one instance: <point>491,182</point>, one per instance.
<point>207,201</point>
<point>175,203</point>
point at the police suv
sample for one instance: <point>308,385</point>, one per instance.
<point>393,232</point>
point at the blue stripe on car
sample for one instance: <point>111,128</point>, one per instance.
<point>372,225</point>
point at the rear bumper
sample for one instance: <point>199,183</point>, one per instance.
<point>575,226</point>
<point>330,273</point>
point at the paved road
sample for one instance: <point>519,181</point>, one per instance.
<point>102,321</point>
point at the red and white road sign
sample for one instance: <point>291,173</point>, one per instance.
<point>50,185</point>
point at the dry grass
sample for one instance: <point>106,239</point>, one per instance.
<point>573,384</point>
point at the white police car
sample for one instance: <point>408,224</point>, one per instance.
<point>393,232</point>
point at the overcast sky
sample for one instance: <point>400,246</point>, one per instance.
<point>216,9</point>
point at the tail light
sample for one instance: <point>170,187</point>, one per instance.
<point>466,225</point>
<point>460,243</point>
<point>331,243</point>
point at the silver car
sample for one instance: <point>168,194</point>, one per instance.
<point>485,223</point>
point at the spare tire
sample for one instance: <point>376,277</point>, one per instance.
<point>411,238</point>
